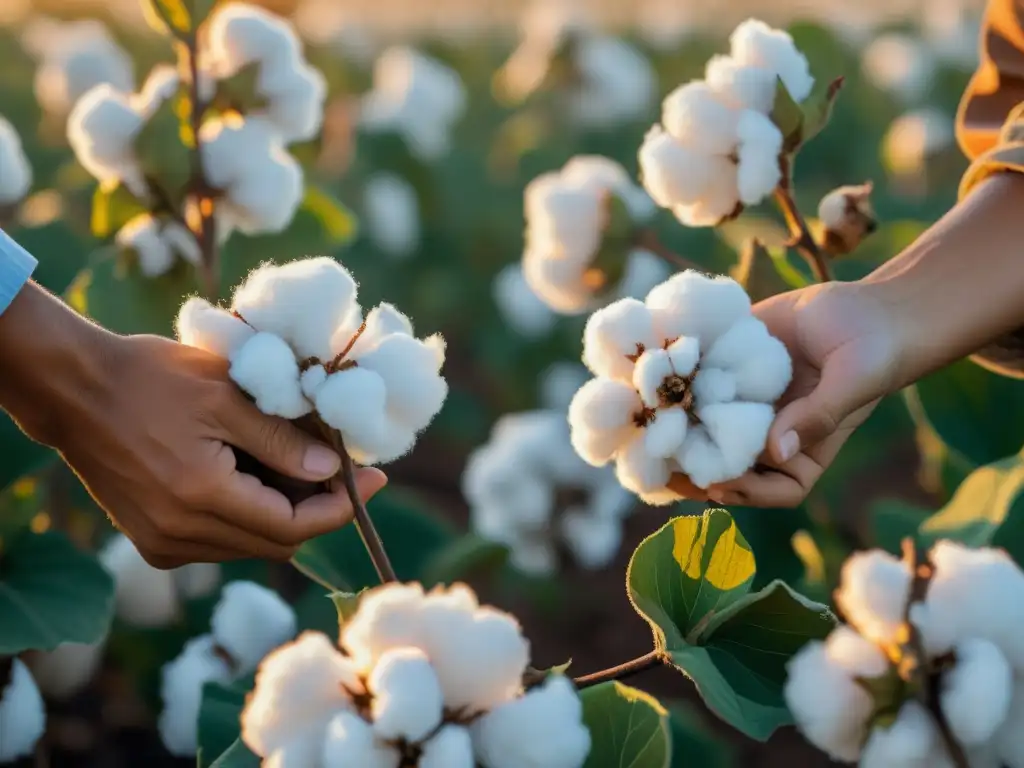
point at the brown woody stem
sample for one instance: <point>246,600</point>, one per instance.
<point>916,668</point>
<point>622,671</point>
<point>802,241</point>
<point>648,239</point>
<point>364,524</point>
<point>209,262</point>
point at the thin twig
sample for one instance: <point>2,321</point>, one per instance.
<point>622,671</point>
<point>916,669</point>
<point>364,524</point>
<point>648,239</point>
<point>209,262</point>
<point>802,241</point>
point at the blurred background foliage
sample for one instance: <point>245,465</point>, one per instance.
<point>905,463</point>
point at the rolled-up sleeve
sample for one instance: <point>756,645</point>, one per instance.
<point>16,267</point>
<point>990,131</point>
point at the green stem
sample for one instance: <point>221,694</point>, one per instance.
<point>802,241</point>
<point>622,671</point>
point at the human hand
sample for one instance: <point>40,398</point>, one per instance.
<point>149,426</point>
<point>845,358</point>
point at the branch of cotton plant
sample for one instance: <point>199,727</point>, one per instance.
<point>622,671</point>
<point>648,240</point>
<point>914,666</point>
<point>802,241</point>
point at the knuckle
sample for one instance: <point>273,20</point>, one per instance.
<point>197,485</point>
<point>166,527</point>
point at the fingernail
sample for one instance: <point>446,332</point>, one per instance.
<point>789,444</point>
<point>373,478</point>
<point>321,461</point>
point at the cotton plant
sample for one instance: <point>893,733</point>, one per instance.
<point>419,678</point>
<point>74,57</point>
<point>587,236</point>
<point>22,712</point>
<point>246,93</point>
<point>248,622</point>
<point>416,97</point>
<point>391,215</point>
<point>15,170</point>
<point>529,490</point>
<point>684,384</point>
<point>923,673</point>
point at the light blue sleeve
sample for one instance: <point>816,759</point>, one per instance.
<point>16,267</point>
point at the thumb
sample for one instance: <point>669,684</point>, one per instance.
<point>277,443</point>
<point>808,420</point>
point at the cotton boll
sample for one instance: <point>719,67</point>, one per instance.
<point>15,171</point>
<point>415,391</point>
<point>101,130</point>
<point>521,308</point>
<point>407,702</point>
<point>352,401</point>
<point>568,215</point>
<point>692,304</point>
<point>266,368</point>
<point>142,235</point>
<point>144,596</point>
<point>266,201</point>
<point>303,751</point>
<point>1009,739</point>
<point>250,621</point>
<point>697,118</point>
<point>755,43</point>
<point>601,416</point>
<point>182,693</point>
<point>396,441</point>
<point>872,595</point>
<point>22,715</point>
<point>388,617</point>
<point>197,580</point>
<point>759,362</point>
<point>603,174</point>
<point>672,173</point>
<point>64,671</point>
<point>739,430</point>
<point>639,471</point>
<point>618,85</point>
<point>613,334</point>
<point>976,692</point>
<point>303,302</point>
<point>181,241</point>
<point>479,653</point>
<point>543,728</point>
<point>721,199</point>
<point>392,214</point>
<point>701,459</point>
<point>741,86</point>
<point>351,743</point>
<point>299,688</point>
<point>241,34</point>
<point>909,742</point>
<point>664,436</point>
<point>760,144</point>
<point>829,707</point>
<point>537,558</point>
<point>200,324</point>
<point>593,540</point>
<point>713,385</point>
<point>296,107</point>
<point>452,747</point>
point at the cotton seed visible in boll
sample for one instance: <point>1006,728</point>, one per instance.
<point>644,409</point>
<point>250,621</point>
<point>22,713</point>
<point>182,692</point>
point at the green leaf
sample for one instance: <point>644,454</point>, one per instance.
<point>220,718</point>
<point>892,520</point>
<point>183,17</point>
<point>628,728</point>
<point>758,273</point>
<point>18,454</point>
<point>694,744</point>
<point>339,223</point>
<point>691,580</point>
<point>339,562</point>
<point>817,108</point>
<point>237,756</point>
<point>986,511</point>
<point>50,593</point>
<point>346,603</point>
<point>468,556</point>
<point>163,151</point>
<point>788,116</point>
<point>240,92</point>
<point>978,414</point>
<point>113,206</point>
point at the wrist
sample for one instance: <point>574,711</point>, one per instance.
<point>54,363</point>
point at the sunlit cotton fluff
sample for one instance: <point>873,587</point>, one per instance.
<point>685,383</point>
<point>716,148</point>
<point>15,171</point>
<point>568,215</point>
<point>529,490</point>
<point>298,342</point>
<point>430,679</point>
<point>158,243</point>
<point>239,35</point>
<point>74,56</point>
<point>525,312</point>
<point>617,82</point>
<point>392,214</point>
<point>416,96</point>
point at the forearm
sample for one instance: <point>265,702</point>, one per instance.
<point>960,285</point>
<point>48,354</point>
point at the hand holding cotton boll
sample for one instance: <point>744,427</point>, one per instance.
<point>428,679</point>
<point>925,674</point>
<point>684,385</point>
<point>586,236</point>
<point>247,623</point>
